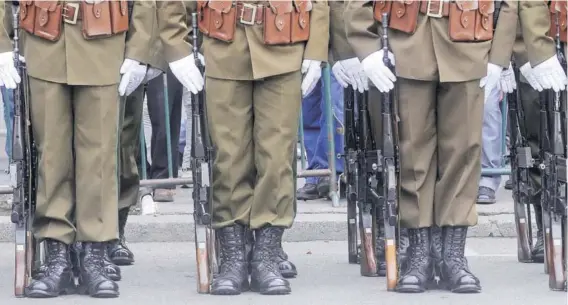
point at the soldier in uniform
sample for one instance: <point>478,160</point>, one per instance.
<point>529,87</point>
<point>440,106</point>
<point>253,185</point>
<point>118,251</point>
<point>75,108</point>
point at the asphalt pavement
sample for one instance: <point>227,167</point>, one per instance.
<point>165,273</point>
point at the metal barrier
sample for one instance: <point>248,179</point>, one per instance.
<point>331,155</point>
<point>148,206</point>
<point>504,170</point>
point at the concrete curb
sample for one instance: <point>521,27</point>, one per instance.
<point>307,227</point>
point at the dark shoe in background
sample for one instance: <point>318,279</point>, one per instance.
<point>486,195</point>
<point>308,192</point>
<point>509,184</point>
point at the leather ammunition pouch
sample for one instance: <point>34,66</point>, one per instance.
<point>44,18</point>
<point>284,22</point>
<point>558,13</point>
<point>469,21</point>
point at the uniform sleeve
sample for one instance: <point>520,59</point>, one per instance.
<point>504,35</point>
<point>535,24</point>
<point>317,46</point>
<point>339,46</point>
<point>5,43</point>
<point>139,34</point>
<point>173,28</point>
<point>361,28</point>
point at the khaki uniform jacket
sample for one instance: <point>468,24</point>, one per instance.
<point>248,58</point>
<point>338,44</point>
<point>75,61</point>
<point>439,57</point>
<point>6,15</point>
<point>531,28</point>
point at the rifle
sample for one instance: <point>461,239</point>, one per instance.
<point>521,161</point>
<point>201,158</point>
<point>350,156</point>
<point>388,161</point>
<point>22,175</point>
<point>555,176</point>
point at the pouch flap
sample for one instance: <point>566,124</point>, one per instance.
<point>281,7</point>
<point>468,5</point>
<point>123,7</point>
<point>303,6</point>
<point>221,6</point>
<point>486,7</point>
<point>97,9</point>
<point>46,5</point>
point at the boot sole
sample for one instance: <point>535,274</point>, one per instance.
<point>228,290</point>
<point>288,274</point>
<point>105,294</point>
<point>122,261</point>
<point>410,289</point>
<point>46,295</point>
<point>465,289</point>
<point>278,290</point>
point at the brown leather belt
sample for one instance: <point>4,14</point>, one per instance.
<point>250,14</point>
<point>435,8</point>
<point>71,12</point>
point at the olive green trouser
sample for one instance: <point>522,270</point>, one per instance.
<point>440,148</point>
<point>129,148</point>
<point>76,133</point>
<point>530,127</point>
<point>254,126</point>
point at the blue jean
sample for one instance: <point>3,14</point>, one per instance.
<point>491,139</point>
<point>315,127</point>
<point>8,101</point>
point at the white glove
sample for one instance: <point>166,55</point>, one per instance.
<point>491,80</point>
<point>9,76</point>
<point>350,72</point>
<point>133,74</point>
<point>187,73</point>
<point>381,76</point>
<point>527,71</point>
<point>508,83</point>
<point>151,74</point>
<point>312,74</point>
<point>550,74</point>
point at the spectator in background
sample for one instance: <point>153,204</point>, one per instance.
<point>185,136</point>
<point>8,101</point>
<point>491,145</point>
<point>316,140</point>
<point>158,168</point>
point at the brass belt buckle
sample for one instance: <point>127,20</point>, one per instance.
<point>73,19</point>
<point>253,14</point>
<point>437,14</point>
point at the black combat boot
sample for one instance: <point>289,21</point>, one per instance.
<point>232,278</point>
<point>436,249</point>
<point>286,267</point>
<point>55,277</point>
<point>118,252</point>
<point>402,248</point>
<point>537,253</point>
<point>418,273</point>
<point>265,276</point>
<point>455,274</point>
<point>112,270</point>
<point>93,279</point>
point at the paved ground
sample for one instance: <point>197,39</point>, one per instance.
<point>165,274</point>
